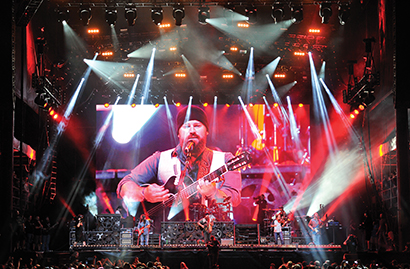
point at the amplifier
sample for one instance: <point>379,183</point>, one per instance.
<point>227,241</point>
<point>126,238</point>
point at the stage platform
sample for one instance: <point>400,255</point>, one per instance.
<point>227,247</point>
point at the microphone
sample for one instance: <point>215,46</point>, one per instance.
<point>189,147</point>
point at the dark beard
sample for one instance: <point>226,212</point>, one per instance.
<point>198,148</point>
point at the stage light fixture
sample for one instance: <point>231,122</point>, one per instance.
<point>227,76</point>
<point>178,14</point>
<point>251,12</point>
<point>63,15</point>
<point>111,15</point>
<point>243,25</point>
<point>278,12</point>
<point>203,14</point>
<point>164,25</point>
<point>93,31</point>
<point>344,13</point>
<point>325,12</point>
<point>229,7</point>
<point>107,53</point>
<point>130,14</point>
<point>367,99</point>
<point>228,12</point>
<point>129,75</point>
<point>299,53</point>
<point>180,75</point>
<point>85,14</point>
<point>41,100</point>
<point>297,12</point>
<point>157,15</point>
<point>314,31</point>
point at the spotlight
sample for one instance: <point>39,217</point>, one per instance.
<point>41,100</point>
<point>314,31</point>
<point>367,99</point>
<point>243,25</point>
<point>180,75</point>
<point>229,7</point>
<point>203,15</point>
<point>344,13</point>
<point>297,12</point>
<point>85,14</point>
<point>229,13</point>
<point>251,12</point>
<point>130,14</point>
<point>111,15</point>
<point>178,14</point>
<point>156,15</point>
<point>277,12</point>
<point>93,31</point>
<point>227,76</point>
<point>325,12</point>
<point>63,15</point>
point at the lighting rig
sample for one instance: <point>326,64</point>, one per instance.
<point>278,13</point>
<point>360,94</point>
<point>46,91</point>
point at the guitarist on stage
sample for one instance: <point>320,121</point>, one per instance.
<point>315,224</point>
<point>206,224</point>
<point>186,164</point>
<point>143,230</point>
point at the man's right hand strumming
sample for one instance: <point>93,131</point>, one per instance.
<point>153,193</point>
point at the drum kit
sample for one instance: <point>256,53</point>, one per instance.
<point>219,210</point>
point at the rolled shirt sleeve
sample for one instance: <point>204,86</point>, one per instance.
<point>144,173</point>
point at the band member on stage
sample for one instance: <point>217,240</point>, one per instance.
<point>206,224</point>
<point>79,230</point>
<point>261,202</point>
<point>315,224</point>
<point>213,252</point>
<point>189,161</point>
<point>143,230</point>
<point>277,229</point>
<point>282,213</point>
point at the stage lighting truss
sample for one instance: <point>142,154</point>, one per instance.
<point>45,98</point>
<point>111,15</point>
<point>344,13</point>
<point>359,95</point>
<point>203,14</point>
<point>85,14</point>
<point>130,14</point>
<point>251,13</point>
<point>157,15</point>
<point>325,12</point>
<point>178,13</point>
<point>278,12</point>
<point>296,12</point>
